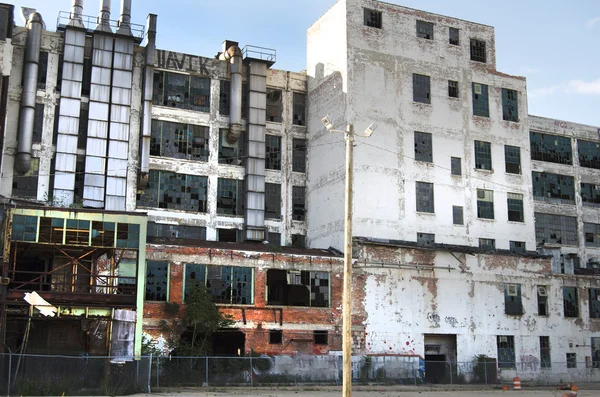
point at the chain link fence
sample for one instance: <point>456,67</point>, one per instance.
<point>84,375</point>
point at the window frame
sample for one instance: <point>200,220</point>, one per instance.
<point>372,18</point>
<point>237,198</point>
<point>513,304</point>
<point>481,100</point>
<point>299,151</point>
<point>571,312</point>
<point>299,198</point>
<point>483,155</point>
<point>510,105</point>
<point>544,148</point>
<point>272,152</point>
<point>484,210</point>
<point>512,159</point>
<point>453,89</point>
<point>423,189</point>
<point>167,283</point>
<point>421,88</point>
<point>478,50</point>
<point>423,146</point>
<point>453,36</point>
<point>455,166</point>
<point>514,203</point>
<point>273,190</point>
<point>425,30</point>
<point>456,216</point>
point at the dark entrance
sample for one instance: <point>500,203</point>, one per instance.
<point>228,343</point>
<point>437,370</point>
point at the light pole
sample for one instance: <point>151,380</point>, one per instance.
<point>347,292</point>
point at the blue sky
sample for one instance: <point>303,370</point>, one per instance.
<point>554,43</point>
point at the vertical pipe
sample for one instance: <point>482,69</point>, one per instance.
<point>150,373</point>
<point>76,17</point>
<point>124,25</point>
<point>235,109</point>
<point>347,295</point>
<point>147,95</point>
<point>104,17</point>
<point>27,115</point>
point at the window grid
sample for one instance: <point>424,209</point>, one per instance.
<point>453,36</point>
<point>478,53</point>
<point>487,244</point>
<point>298,203</point>
<point>485,204</point>
<point>299,155</point>
<point>174,191</point>
<point>589,154</point>
<point>512,159</point>
<point>571,360</point>
<point>230,153</point>
<point>515,207</point>
<point>517,246</point>
<point>274,105</point>
<point>483,155</point>
<point>455,166</point>
<point>555,229</point>
<point>592,234</point>
<point>425,238</point>
<point>273,152</point>
<point>372,18</point>
<point>230,196</point>
<point>425,30</point>
<point>272,201</point>
<point>175,232</point>
<point>512,299</point>
<point>423,147</point>
<point>181,91</point>
<point>506,351</point>
<point>299,109</point>
<point>453,89</point>
<point>157,281</point>
<point>542,300</point>
<point>424,193</point>
<point>594,299</point>
<point>421,88</point>
<point>230,284</point>
<point>181,141</point>
<point>481,106</point>
<point>545,360</point>
<point>570,302</point>
<point>457,215</point>
<point>510,105</point>
<point>551,148</point>
<point>553,188</point>
<point>590,195</point>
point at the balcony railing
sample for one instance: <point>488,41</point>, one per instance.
<point>91,22</point>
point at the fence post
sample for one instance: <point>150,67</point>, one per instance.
<point>9,372</point>
<point>158,372</point>
<point>251,373</point>
<point>206,371</point>
<point>485,363</point>
<point>414,371</point>
<point>451,369</point>
<point>150,373</point>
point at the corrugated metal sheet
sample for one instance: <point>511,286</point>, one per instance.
<point>102,58</point>
<point>99,92</point>
<point>121,96</point>
<point>73,53</point>
<point>101,76</point>
<point>98,111</point>
<point>96,147</point>
<point>95,165</point>
<point>115,203</point>
<point>65,161</point>
<point>119,113</point>
<point>118,149</point>
<point>72,71</point>
<point>116,186</point>
<point>68,125</point>
<point>119,131</point>
<point>122,78</point>
<point>69,106</point>
<point>98,128</point>
<point>64,181</point>
<point>66,143</point>
<point>117,167</point>
<point>94,180</point>
<point>75,37</point>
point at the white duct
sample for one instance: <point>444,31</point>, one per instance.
<point>104,17</point>
<point>147,110</point>
<point>125,18</point>
<point>76,17</point>
<point>232,54</point>
<point>30,77</point>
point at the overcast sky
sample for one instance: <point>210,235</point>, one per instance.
<point>554,43</point>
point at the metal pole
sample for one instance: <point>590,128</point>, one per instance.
<point>150,373</point>
<point>206,371</point>
<point>9,372</point>
<point>251,373</point>
<point>347,296</point>
<point>158,372</point>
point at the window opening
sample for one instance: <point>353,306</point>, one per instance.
<point>298,241</point>
<point>506,351</point>
<point>174,191</point>
<point>481,106</point>
<point>571,360</point>
<point>551,148</point>
<point>86,78</point>
<point>158,231</point>
<point>230,197</point>
<point>181,141</point>
<point>542,300</point>
<point>512,299</point>
<point>455,166</point>
<point>517,246</point>
<point>487,244</point>
<point>299,155</point>
<point>452,89</point>
<point>515,207</point>
<point>82,133</point>
<point>272,201</point>
<point>570,302</point>
<point>424,192</point>
<point>555,229</point>
<point>425,238</point>
<point>590,195</point>
<point>297,288</point>
<point>594,297</point>
<point>24,228</point>
<point>320,337</point>
<point>38,123</point>
<point>181,91</point>
<point>512,159</point>
<point>298,203</point>
<point>483,155</point>
<point>157,281</point>
<point>457,215</point>
<point>510,105</point>
<point>478,53</point>
<point>195,277</point>
<point>453,36</point>
<point>230,153</point>
<point>26,185</point>
<point>275,337</point>
<point>421,88</point>
<point>230,235</point>
<point>274,105</point>
<point>589,154</point>
<point>553,188</point>
<point>372,18</point>
<point>425,30</point>
<point>299,109</point>
<point>274,238</point>
<point>592,234</point>
<point>545,360</point>
<point>230,284</point>
<point>273,152</point>
<point>423,147</point>
<point>485,204</point>
<point>42,70</point>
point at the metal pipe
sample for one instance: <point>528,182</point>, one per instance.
<point>124,25</point>
<point>147,95</point>
<point>104,17</point>
<point>30,77</point>
<point>76,17</point>
<point>233,55</point>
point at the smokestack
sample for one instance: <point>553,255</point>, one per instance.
<point>76,14</point>
<point>125,18</point>
<point>104,17</point>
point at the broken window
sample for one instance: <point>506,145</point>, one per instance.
<point>275,337</point>
<point>157,281</point>
<point>545,360</point>
<point>551,148</point>
<point>299,155</point>
<point>423,147</point>
<point>195,276</point>
<point>590,195</point>
<point>79,178</point>
<point>86,78</point>
<point>272,152</point>
<point>592,234</point>
<point>478,53</point>
<point>455,166</point>
<point>298,241</point>
<point>51,230</point>
<point>517,246</point>
<point>485,204</point>
<point>512,159</point>
<point>481,106</point>
<point>320,337</point>
<point>230,284</point>
<point>297,288</point>
<point>483,155</point>
<point>274,105</point>
<point>82,133</point>
<point>181,91</point>
<point>553,188</point>
<point>421,88</point>
<point>26,185</point>
<point>372,18</point>
<point>453,89</point>
<point>542,300</point>
<point>425,30</point>
<point>457,215</point>
<point>515,207</point>
<point>230,235</point>
<point>180,141</point>
<point>42,70</point>
<point>128,235</point>
<point>230,153</point>
<point>272,201</point>
<point>510,105</point>
<point>224,99</point>
<point>589,154</point>
<point>103,234</point>
<point>424,193</point>
<point>38,123</point>
<point>274,238</point>
<point>506,351</point>
<point>425,238</point>
<point>24,228</point>
<point>230,197</point>
<point>158,231</point>
<point>174,191</point>
<point>299,109</point>
<point>199,94</point>
<point>512,299</point>
<point>571,360</point>
<point>594,295</point>
<point>555,229</point>
<point>61,60</point>
<point>453,36</point>
<point>487,244</point>
<point>570,302</point>
<point>298,203</point>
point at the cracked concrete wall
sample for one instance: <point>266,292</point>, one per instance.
<point>371,81</point>
<point>404,304</point>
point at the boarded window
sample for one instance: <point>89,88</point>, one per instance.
<point>26,185</point>
<point>157,281</point>
<point>299,155</point>
<point>38,123</point>
<point>517,246</point>
<point>487,244</point>
<point>553,188</point>
<point>230,197</point>
<point>160,231</point>
<point>230,153</point>
<point>485,204</point>
<point>506,351</point>
<point>181,91</point>
<point>570,302</point>
<point>423,147</point>
<point>590,194</point>
<point>589,154</point>
<point>455,166</point>
<point>230,284</point>
<point>452,89</point>
<point>515,207</point>
<point>174,191</point>
<point>512,299</point>
<point>421,88</point>
<point>297,288</point>
<point>545,359</point>
<point>181,141</point>
<point>272,201</point>
<point>592,234</point>
<point>555,229</point>
<point>457,215</point>
<point>481,106</point>
<point>274,105</point>
<point>298,241</point>
<point>512,159</point>
<point>478,53</point>
<point>510,105</point>
<point>195,277</point>
<point>483,155</point>
<point>425,30</point>
<point>298,203</point>
<point>372,18</point>
<point>594,298</point>
<point>542,300</point>
<point>42,70</point>
<point>299,109</point>
<point>425,238</point>
<point>453,36</point>
<point>551,148</point>
<point>424,195</point>
<point>272,152</point>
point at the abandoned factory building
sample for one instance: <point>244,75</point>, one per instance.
<point>130,173</point>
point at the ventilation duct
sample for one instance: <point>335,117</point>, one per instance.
<point>233,55</point>
<point>124,25</point>
<point>104,17</point>
<point>147,105</point>
<point>30,76</point>
<point>76,16</point>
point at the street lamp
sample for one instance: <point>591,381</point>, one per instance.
<point>347,294</point>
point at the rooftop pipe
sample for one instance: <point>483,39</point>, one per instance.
<point>124,25</point>
<point>104,17</point>
<point>76,16</point>
<point>232,54</point>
